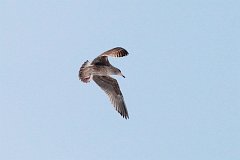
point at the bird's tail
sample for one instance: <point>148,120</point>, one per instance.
<point>84,72</point>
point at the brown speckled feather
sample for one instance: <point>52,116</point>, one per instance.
<point>100,71</point>
<point>102,59</point>
<point>111,87</point>
<point>115,52</point>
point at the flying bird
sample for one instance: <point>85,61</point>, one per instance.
<point>100,70</point>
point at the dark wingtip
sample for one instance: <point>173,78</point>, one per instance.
<point>125,115</point>
<point>121,52</point>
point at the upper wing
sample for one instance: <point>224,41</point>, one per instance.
<point>115,52</point>
<point>101,60</point>
<point>111,87</point>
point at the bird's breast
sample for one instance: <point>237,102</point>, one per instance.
<point>101,70</point>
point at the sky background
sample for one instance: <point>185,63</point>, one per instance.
<point>181,88</point>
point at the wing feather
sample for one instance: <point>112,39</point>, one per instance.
<point>116,52</point>
<point>102,59</point>
<point>111,88</point>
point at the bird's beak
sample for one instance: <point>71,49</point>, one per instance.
<point>122,75</point>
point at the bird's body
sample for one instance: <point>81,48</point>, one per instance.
<point>100,70</point>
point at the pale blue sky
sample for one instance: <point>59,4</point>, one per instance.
<point>181,88</point>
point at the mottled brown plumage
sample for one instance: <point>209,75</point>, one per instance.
<point>100,70</point>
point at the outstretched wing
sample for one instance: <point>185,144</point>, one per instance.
<point>116,52</point>
<point>111,87</point>
<point>102,59</point>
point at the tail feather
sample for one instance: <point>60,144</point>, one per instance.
<point>84,74</point>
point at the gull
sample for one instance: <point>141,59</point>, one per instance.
<point>100,70</point>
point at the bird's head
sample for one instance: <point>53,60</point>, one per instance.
<point>118,72</point>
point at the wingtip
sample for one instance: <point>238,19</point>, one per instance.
<point>125,116</point>
<point>116,52</point>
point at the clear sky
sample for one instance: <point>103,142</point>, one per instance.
<point>181,88</point>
